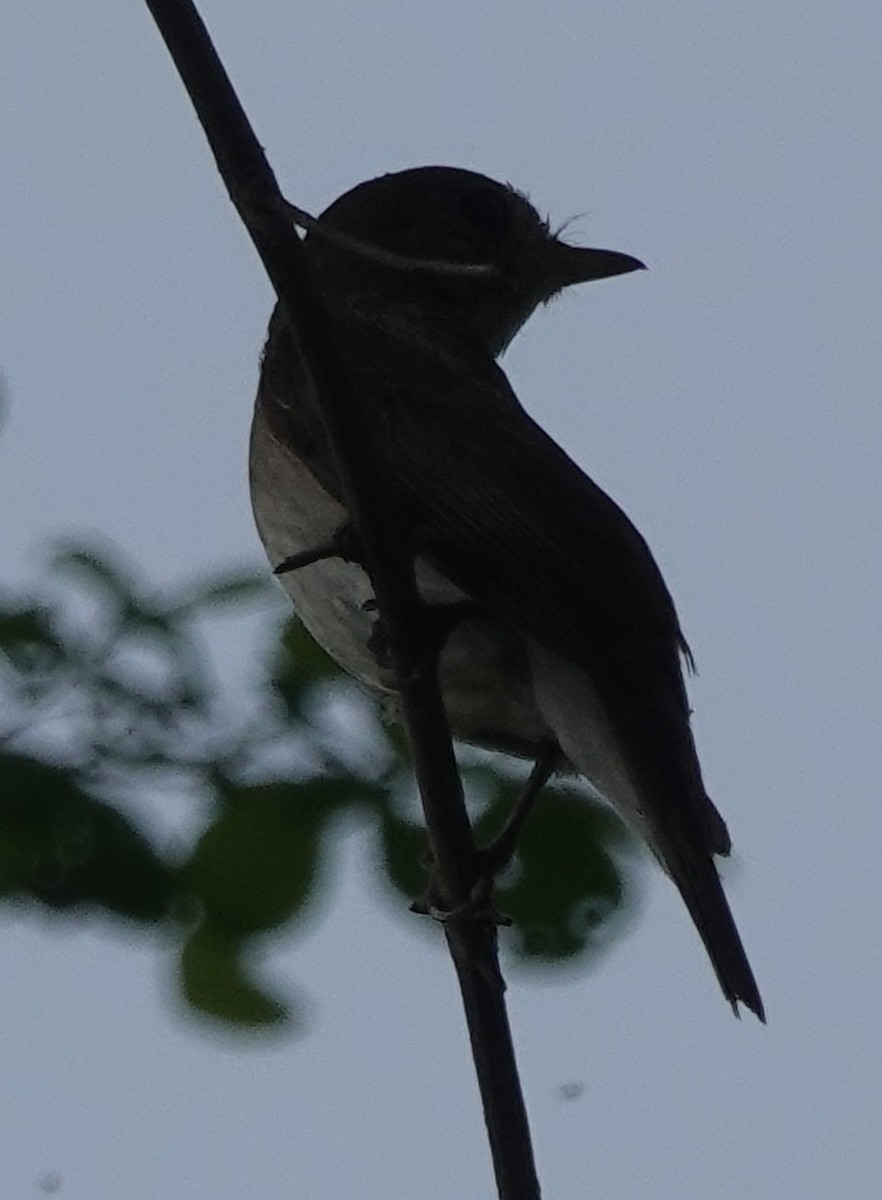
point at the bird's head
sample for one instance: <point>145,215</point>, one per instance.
<point>481,256</point>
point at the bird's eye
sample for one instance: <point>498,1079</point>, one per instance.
<point>487,211</point>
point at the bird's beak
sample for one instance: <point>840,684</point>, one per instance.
<point>565,265</point>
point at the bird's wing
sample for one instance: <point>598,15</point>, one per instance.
<point>511,519</point>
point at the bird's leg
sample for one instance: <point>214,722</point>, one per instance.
<point>496,857</point>
<point>493,859</point>
<point>341,545</point>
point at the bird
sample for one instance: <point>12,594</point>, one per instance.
<point>566,633</point>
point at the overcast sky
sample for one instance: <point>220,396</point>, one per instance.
<point>728,399</point>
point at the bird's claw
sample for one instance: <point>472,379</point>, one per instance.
<point>342,544</point>
<point>477,907</point>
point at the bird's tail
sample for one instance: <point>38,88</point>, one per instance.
<point>683,833</point>
<point>693,871</point>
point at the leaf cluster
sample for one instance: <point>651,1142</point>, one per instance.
<point>115,713</point>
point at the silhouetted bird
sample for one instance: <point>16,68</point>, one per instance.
<point>571,637</point>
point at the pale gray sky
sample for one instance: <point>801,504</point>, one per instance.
<point>728,399</point>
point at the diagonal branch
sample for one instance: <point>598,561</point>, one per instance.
<point>390,563</point>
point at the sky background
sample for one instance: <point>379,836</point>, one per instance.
<point>728,399</point>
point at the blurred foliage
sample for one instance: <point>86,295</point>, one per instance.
<point>111,704</point>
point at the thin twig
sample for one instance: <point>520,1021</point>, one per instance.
<point>389,561</point>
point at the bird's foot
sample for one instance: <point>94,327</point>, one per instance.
<point>491,860</point>
<point>342,544</point>
<point>478,907</point>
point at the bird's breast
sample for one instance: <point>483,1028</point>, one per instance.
<point>484,669</point>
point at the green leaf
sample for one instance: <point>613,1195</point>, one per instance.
<point>27,624</point>
<point>404,849</point>
<point>570,890</point>
<point>256,866</point>
<point>28,640</point>
<point>64,849</point>
<point>215,982</point>
<point>299,665</point>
